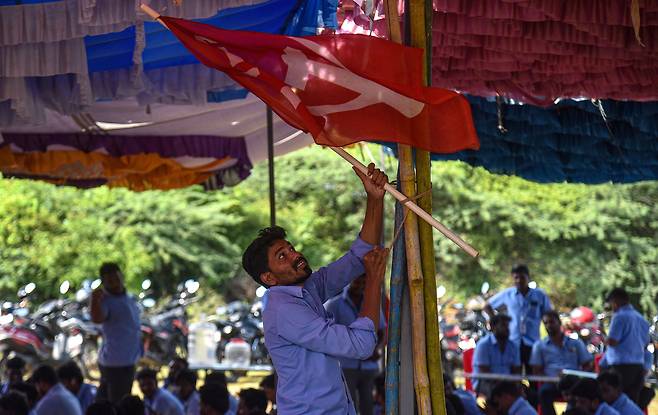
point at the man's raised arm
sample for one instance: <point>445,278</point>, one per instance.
<point>373,183</point>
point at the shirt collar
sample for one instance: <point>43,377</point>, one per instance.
<point>621,400</point>
<point>518,403</point>
<point>565,338</point>
<point>517,292</point>
<point>294,290</point>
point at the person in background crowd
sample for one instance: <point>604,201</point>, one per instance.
<point>29,391</point>
<point>14,371</point>
<point>467,400</point>
<point>252,402</point>
<point>268,385</point>
<point>454,404</point>
<point>14,403</point>
<point>610,387</point>
<point>627,341</point>
<point>495,353</point>
<point>587,396</point>
<point>214,398</point>
<point>506,398</point>
<point>55,398</point>
<point>131,405</point>
<point>157,400</point>
<point>119,315</point>
<point>71,377</point>
<point>220,377</point>
<point>175,366</point>
<point>554,353</point>
<point>298,328</point>
<point>525,306</point>
<point>102,407</point>
<point>359,374</point>
<point>564,387</point>
<point>187,393</point>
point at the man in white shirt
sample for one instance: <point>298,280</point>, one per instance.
<point>55,398</point>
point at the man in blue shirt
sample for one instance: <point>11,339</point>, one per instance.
<point>302,339</point>
<point>157,400</point>
<point>55,398</point>
<point>610,386</point>
<point>627,341</point>
<point>525,306</point>
<point>554,353</point>
<point>359,374</point>
<point>119,315</point>
<point>71,377</point>
<point>587,396</point>
<point>507,398</point>
<point>14,371</point>
<point>495,353</point>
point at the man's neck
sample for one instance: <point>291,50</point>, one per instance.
<point>557,338</point>
<point>523,291</point>
<point>502,341</point>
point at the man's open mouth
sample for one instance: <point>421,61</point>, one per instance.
<point>300,264</point>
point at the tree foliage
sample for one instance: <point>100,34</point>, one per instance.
<point>578,240</point>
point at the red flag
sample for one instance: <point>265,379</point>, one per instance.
<point>340,88</point>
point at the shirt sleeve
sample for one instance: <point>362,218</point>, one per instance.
<point>498,299</point>
<point>536,358</point>
<point>547,303</point>
<point>330,280</point>
<point>616,331</point>
<point>583,355</point>
<point>481,357</point>
<point>303,327</point>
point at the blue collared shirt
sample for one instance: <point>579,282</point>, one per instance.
<point>305,343</point>
<point>605,409</point>
<point>625,406</point>
<point>521,407</point>
<point>487,353</point>
<point>572,354</point>
<point>345,312</point>
<point>121,331</point>
<point>164,403</point>
<point>468,400</point>
<point>525,311</point>
<point>58,401</point>
<point>631,330</point>
<point>86,396</point>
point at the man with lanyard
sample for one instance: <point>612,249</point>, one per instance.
<point>119,315</point>
<point>553,354</point>
<point>304,342</point>
<point>359,374</point>
<point>495,353</point>
<point>627,342</point>
<point>525,306</point>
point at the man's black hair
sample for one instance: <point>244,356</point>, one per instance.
<point>70,370</point>
<point>187,375</point>
<point>15,363</point>
<point>587,388</point>
<point>108,268</point>
<point>102,407</point>
<point>610,378</point>
<point>46,374</point>
<point>521,269</point>
<point>216,377</point>
<point>15,403</point>
<point>254,399</point>
<point>506,388</point>
<point>215,395</point>
<point>147,373</point>
<point>254,258</point>
<point>567,382</point>
<point>27,389</point>
<point>552,313</point>
<point>575,411</point>
<point>618,294</point>
<point>268,381</point>
<point>499,318</point>
<point>131,405</point>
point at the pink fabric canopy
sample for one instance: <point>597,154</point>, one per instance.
<point>539,50</point>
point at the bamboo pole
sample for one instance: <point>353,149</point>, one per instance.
<point>419,38</point>
<point>398,268</point>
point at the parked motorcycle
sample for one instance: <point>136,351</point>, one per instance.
<point>583,324</point>
<point>241,329</point>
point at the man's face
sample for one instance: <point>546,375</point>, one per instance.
<point>113,282</point>
<point>42,388</point>
<point>287,266</point>
<point>14,375</point>
<point>585,404</point>
<point>207,410</point>
<point>613,305</point>
<point>72,385</point>
<point>175,366</point>
<point>553,325</point>
<point>504,402</point>
<point>520,281</point>
<point>148,387</point>
<point>501,330</point>
<point>609,393</point>
<point>185,389</point>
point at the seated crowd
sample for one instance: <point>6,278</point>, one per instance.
<point>63,391</point>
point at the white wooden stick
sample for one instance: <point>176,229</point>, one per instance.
<point>412,206</point>
<point>392,190</point>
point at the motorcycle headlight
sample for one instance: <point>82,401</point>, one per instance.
<point>584,332</point>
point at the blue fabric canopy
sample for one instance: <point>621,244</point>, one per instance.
<point>572,141</point>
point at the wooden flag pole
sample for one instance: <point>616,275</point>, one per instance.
<point>409,204</point>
